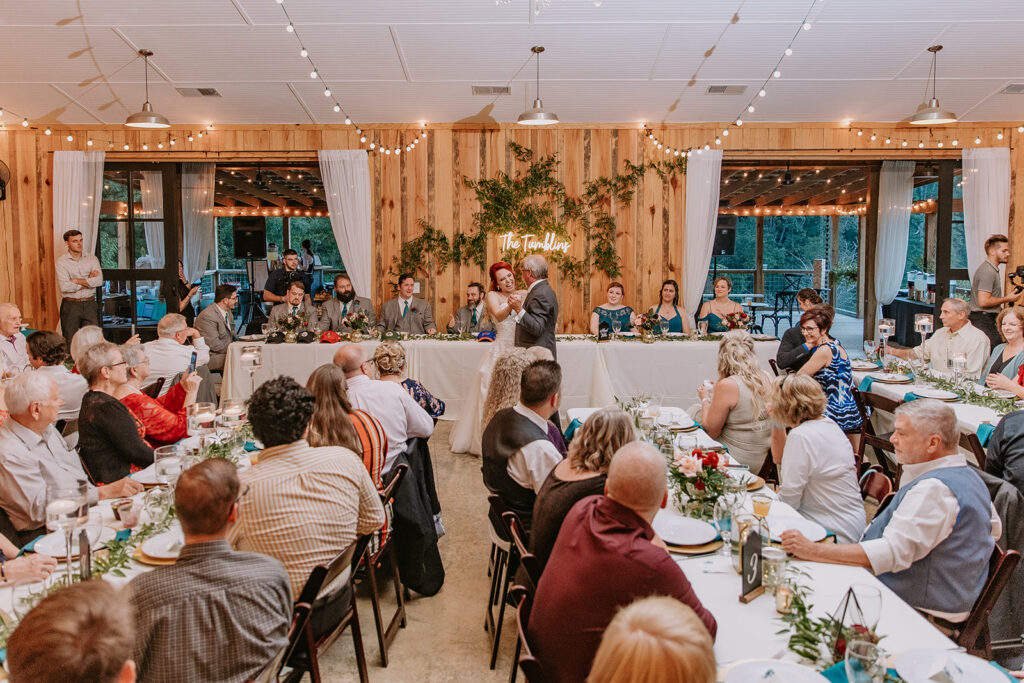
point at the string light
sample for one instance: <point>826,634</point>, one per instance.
<point>303,53</point>
<point>999,135</point>
<point>977,140</point>
<point>70,138</point>
<point>24,123</point>
<point>955,142</point>
<point>48,131</point>
<point>776,74</point>
<point>89,142</point>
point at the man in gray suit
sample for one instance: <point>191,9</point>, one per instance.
<point>344,302</point>
<point>217,326</point>
<point>406,313</point>
<point>537,314</point>
<point>470,318</point>
<point>295,302</point>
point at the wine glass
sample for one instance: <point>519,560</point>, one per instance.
<point>169,463</point>
<point>64,506</point>
<point>886,329</point>
<point>265,328</point>
<point>654,406</point>
<point>702,328</point>
<point>868,603</point>
<point>870,348</point>
<point>663,324</point>
<point>865,662</point>
<point>958,361</point>
<point>762,504</point>
<point>616,327</point>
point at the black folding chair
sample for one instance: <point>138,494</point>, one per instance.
<point>785,302</point>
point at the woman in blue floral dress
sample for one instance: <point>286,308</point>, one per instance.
<point>830,365</point>
<point>612,311</point>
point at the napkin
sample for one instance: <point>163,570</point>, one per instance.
<point>570,431</point>
<point>985,432</point>
<point>865,384</point>
<point>250,447</point>
<point>123,535</point>
<point>30,546</point>
<point>837,673</point>
<point>910,396</point>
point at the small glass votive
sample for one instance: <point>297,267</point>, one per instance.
<point>773,563</point>
<point>783,599</point>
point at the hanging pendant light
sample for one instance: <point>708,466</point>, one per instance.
<point>930,113</point>
<point>147,118</point>
<point>537,115</point>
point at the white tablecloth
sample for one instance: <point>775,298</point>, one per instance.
<point>592,374</point>
<point>969,417</point>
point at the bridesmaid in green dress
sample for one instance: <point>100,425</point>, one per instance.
<point>613,310</point>
<point>714,311</point>
<point>668,308</point>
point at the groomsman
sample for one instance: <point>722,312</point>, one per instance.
<point>406,313</point>
<point>78,276</point>
<point>217,326</point>
<point>345,301</point>
<point>470,318</point>
<point>295,301</point>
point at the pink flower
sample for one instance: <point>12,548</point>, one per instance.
<point>689,466</point>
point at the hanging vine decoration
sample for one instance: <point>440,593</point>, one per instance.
<point>536,202</point>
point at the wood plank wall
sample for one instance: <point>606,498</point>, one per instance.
<point>427,184</point>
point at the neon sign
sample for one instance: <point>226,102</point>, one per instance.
<point>531,242</point>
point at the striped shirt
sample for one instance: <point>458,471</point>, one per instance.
<point>305,505</point>
<point>375,447</point>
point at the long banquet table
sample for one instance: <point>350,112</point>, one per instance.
<point>592,374</point>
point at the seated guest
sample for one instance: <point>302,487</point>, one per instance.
<point>1005,457</point>
<point>734,410</point>
<point>406,313</point>
<point>389,357</point>
<point>503,387</point>
<point>280,279</point>
<point>818,473</point>
<point>80,633</point>
<point>83,339</point>
<point>716,310</point>
<point>13,346</point>
<point>606,556</point>
<point>33,456</point>
<point>655,640</point>
<point>31,566</point>
<point>581,474</point>
<point>47,352</point>
<point>471,318</point>
<point>216,614</point>
<point>344,302</point>
<point>613,311</point>
<point>793,350</point>
<point>933,542</point>
<point>517,454</point>
<point>957,335</point>
<point>295,303</point>
<point>830,366</point>
<point>668,308</point>
<point>111,440</point>
<point>166,418</point>
<point>216,325</point>
<point>1003,371</point>
<point>402,417</point>
<point>304,505</point>
<point>169,355</point>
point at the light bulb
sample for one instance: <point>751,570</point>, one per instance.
<point>290,28</point>
<point>874,137</point>
<point>1020,129</point>
<point>408,148</point>
<point>423,134</point>
<point>888,140</point>
<point>348,121</point>
<point>999,135</point>
<point>776,74</point>
<point>659,145</point>
<point>89,142</point>
<point>707,146</point>
<point>750,108</point>
<point>145,147</point>
<point>725,132</point>
<point>48,131</point>
<point>24,123</point>
<point>200,133</point>
<point>387,151</point>
<point>159,145</point>
<point>303,52</point>
<point>70,138</point>
<point>762,93</point>
<point>904,144</point>
<point>173,142</point>
<point>718,141</point>
<point>977,140</point>
<point>190,138</point>
<point>337,107</point>
<point>362,139</point>
<point>327,92</point>
<point>807,26</point>
<point>955,143</point>
<point>398,151</point>
<point>940,143</point>
<point>789,52</point>
<point>739,122</point>
<point>313,74</point>
<point>860,133</point>
<point>126,146</point>
<point>920,144</point>
<point>372,145</point>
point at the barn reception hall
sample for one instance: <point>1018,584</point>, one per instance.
<point>530,340</point>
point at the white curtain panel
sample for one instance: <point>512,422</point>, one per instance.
<point>197,219</point>
<point>895,200</point>
<point>151,188</point>
<point>986,192</point>
<point>345,174</point>
<point>703,179</point>
<point>77,193</point>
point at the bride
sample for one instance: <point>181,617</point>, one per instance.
<point>467,432</point>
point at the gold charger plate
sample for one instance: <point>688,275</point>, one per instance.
<point>757,483</point>
<point>695,549</point>
<point>691,428</point>
<point>143,558</point>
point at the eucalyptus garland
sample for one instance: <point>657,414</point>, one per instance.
<point>1000,405</point>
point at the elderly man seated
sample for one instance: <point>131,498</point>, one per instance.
<point>33,456</point>
<point>956,336</point>
<point>13,347</point>
<point>170,356</point>
<point>932,544</point>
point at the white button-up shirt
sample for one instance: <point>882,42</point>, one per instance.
<point>531,464</point>
<point>14,350</point>
<point>68,268</point>
<point>72,388</point>
<point>968,340</point>
<point>400,415</point>
<point>167,358</point>
<point>924,519</point>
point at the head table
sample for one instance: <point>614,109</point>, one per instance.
<point>593,374</point>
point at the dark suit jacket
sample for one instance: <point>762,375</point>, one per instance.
<point>537,326</point>
<point>792,355</point>
<point>332,313</point>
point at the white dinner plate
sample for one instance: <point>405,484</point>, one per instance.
<point>763,337</point>
<point>915,666</point>
<point>863,365</point>
<point>678,530</point>
<point>627,334</point>
<point>160,546</point>
<point>745,477</point>
<point>146,476</point>
<point>940,394</point>
<point>1002,393</point>
<point>53,544</point>
<point>785,672</point>
<point>812,530</point>
<point>890,377</point>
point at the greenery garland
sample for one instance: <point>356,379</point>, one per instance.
<point>536,202</point>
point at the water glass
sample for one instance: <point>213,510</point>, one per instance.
<point>654,406</point>
<point>169,463</point>
<point>865,662</point>
<point>686,443</point>
<point>722,515</point>
<point>886,328</point>
<point>702,328</point>
<point>870,348</point>
<point>232,412</point>
<point>663,324</point>
<point>65,509</point>
<point>773,563</point>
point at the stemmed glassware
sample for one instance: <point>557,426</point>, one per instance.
<point>168,463</point>
<point>886,329</point>
<point>870,348</point>
<point>959,363</point>
<point>663,324</point>
<point>251,359</point>
<point>864,662</point>
<point>924,323</point>
<point>702,328</point>
<point>202,419</point>
<point>65,509</point>
<point>616,327</point>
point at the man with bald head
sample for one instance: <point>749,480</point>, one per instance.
<point>606,556</point>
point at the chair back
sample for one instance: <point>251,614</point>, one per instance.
<point>153,390</point>
<point>876,485</point>
<point>866,403</point>
<point>521,539</point>
<point>971,442</point>
<point>769,471</point>
<point>323,574</point>
<point>389,490</point>
<point>974,635</point>
<point>260,273</point>
<point>531,666</point>
<point>775,367</point>
<point>497,511</point>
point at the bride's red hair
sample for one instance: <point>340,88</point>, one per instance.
<point>494,273</point>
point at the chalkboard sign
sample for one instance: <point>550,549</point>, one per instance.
<point>84,556</point>
<point>750,564</point>
<point>603,331</point>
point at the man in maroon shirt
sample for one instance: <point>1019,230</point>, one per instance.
<point>606,556</point>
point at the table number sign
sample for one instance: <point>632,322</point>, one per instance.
<point>750,563</point>
<point>603,332</point>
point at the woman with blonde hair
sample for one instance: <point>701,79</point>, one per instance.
<point>1003,371</point>
<point>817,466</point>
<point>581,474</point>
<point>389,357</point>
<point>734,410</point>
<point>655,640</point>
<point>503,389</point>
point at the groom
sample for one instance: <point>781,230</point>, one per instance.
<point>537,313</point>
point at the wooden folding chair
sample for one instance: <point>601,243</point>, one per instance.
<point>866,403</point>
<point>532,668</point>
<point>520,538</point>
<point>372,561</point>
<point>153,390</point>
<point>971,442</point>
<point>775,368</point>
<point>306,658</point>
<point>506,561</point>
<point>272,671</point>
<point>875,484</point>
<point>974,634</point>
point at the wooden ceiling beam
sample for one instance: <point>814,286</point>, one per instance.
<point>754,189</point>
<point>250,188</point>
<point>277,186</point>
<point>236,195</point>
<point>835,194</point>
<point>824,181</point>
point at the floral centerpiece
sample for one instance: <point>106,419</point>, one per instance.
<point>648,323</point>
<point>698,481</point>
<point>737,321</point>
<point>358,321</point>
<point>292,324</point>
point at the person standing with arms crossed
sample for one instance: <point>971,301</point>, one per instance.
<point>78,276</point>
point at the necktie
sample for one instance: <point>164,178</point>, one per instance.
<point>295,310</point>
<point>344,310</point>
<point>474,316</point>
<point>405,310</point>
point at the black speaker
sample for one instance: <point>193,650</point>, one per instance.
<point>250,236</point>
<point>725,236</point>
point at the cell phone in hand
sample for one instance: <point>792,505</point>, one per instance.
<point>192,362</point>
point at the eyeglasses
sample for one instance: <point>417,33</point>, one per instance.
<point>809,329</point>
<point>242,494</point>
<point>124,362</point>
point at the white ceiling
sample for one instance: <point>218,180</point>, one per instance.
<point>625,61</point>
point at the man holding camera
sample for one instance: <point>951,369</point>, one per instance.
<point>987,288</point>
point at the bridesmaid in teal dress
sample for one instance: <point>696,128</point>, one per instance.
<point>612,311</point>
<point>714,311</point>
<point>668,308</point>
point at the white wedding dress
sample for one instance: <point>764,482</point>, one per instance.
<point>467,432</point>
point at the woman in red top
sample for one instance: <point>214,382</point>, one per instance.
<point>165,418</point>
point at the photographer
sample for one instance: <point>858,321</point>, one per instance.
<point>276,288</point>
<point>987,288</point>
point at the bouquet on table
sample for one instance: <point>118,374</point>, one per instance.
<point>698,480</point>
<point>648,321</point>
<point>293,322</point>
<point>737,321</point>
<point>357,320</point>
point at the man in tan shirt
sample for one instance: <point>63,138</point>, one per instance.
<point>956,336</point>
